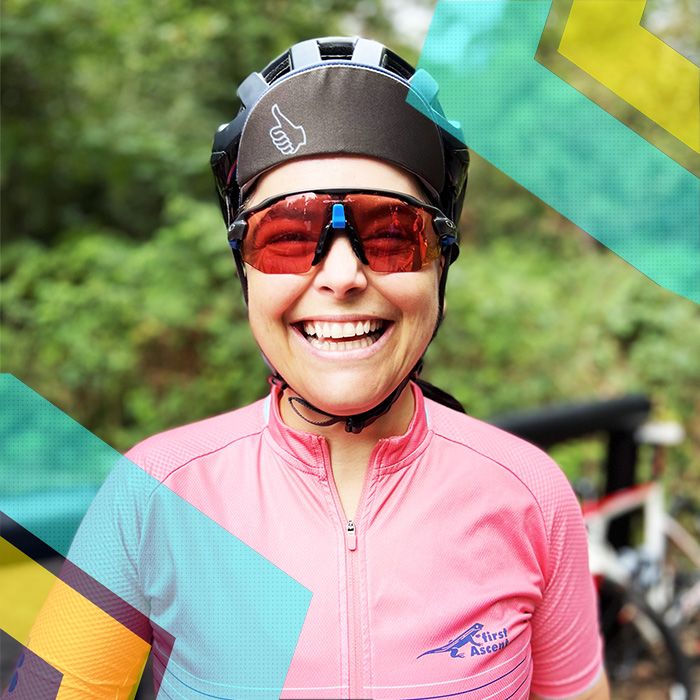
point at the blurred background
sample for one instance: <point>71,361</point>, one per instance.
<point>119,298</point>
<point>119,301</point>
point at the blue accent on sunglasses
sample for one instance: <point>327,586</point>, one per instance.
<point>338,216</point>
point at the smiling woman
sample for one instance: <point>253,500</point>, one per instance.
<point>302,322</point>
<point>444,557</point>
<point>400,309</point>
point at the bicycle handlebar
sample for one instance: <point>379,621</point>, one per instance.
<point>553,424</point>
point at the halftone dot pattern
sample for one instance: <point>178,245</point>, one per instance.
<point>78,639</point>
<point>162,454</point>
<point>248,606</point>
<point>39,445</point>
<point>33,679</point>
<point>608,42</point>
<point>462,524</point>
<point>149,546</point>
<point>558,144</point>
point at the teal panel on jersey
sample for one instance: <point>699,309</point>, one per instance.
<point>558,144</point>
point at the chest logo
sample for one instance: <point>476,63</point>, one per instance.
<point>480,642</point>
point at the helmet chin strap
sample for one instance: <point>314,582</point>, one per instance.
<point>355,423</point>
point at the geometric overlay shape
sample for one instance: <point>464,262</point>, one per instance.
<point>606,40</point>
<point>71,622</point>
<point>33,679</point>
<point>60,620</point>
<point>237,614</point>
<point>560,145</point>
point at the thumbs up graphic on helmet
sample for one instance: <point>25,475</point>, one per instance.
<point>287,136</point>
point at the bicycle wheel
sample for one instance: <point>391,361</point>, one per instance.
<point>643,658</point>
<point>682,569</point>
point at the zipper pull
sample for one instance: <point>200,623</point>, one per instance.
<point>351,536</point>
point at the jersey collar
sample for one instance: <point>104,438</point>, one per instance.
<point>309,451</point>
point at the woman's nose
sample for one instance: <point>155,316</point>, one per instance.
<point>340,271</point>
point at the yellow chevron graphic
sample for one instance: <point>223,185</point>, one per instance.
<point>605,39</point>
<point>99,657</point>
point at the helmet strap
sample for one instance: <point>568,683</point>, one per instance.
<point>441,291</point>
<point>358,422</point>
<point>240,267</point>
<point>354,423</point>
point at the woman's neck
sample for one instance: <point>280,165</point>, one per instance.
<point>350,452</point>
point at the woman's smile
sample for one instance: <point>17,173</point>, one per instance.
<point>342,335</point>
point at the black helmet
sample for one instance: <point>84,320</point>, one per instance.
<point>367,115</point>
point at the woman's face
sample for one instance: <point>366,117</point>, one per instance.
<point>347,378</point>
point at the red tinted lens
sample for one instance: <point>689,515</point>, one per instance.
<point>395,236</point>
<point>282,238</point>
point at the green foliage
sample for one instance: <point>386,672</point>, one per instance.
<point>119,298</point>
<point>109,107</point>
<point>528,327</point>
<point>552,327</point>
<point>130,338</point>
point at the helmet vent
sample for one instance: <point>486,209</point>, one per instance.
<point>336,50</point>
<point>279,67</point>
<point>397,65</point>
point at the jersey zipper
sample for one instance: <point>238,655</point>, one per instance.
<point>352,581</point>
<point>354,612</point>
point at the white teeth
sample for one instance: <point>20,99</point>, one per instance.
<point>336,330</point>
<point>348,329</point>
<point>341,346</point>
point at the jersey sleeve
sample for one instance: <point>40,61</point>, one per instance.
<point>93,631</point>
<point>566,643</point>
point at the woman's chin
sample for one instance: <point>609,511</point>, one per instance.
<point>343,399</point>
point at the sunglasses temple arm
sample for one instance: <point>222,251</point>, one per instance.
<point>235,241</point>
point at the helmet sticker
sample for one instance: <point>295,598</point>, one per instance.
<point>287,137</point>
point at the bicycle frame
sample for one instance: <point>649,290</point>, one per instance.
<point>642,567</point>
<point>646,560</point>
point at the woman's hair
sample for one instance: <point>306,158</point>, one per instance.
<point>430,391</point>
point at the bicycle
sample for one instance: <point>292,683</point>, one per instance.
<point>645,601</point>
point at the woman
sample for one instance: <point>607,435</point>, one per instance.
<point>444,558</point>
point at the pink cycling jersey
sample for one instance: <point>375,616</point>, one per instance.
<point>464,573</point>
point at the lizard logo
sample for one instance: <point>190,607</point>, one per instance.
<point>482,642</point>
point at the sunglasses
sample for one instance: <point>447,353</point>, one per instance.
<point>388,231</point>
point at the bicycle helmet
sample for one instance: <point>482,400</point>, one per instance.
<point>341,95</point>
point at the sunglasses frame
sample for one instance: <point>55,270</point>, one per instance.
<point>444,227</point>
